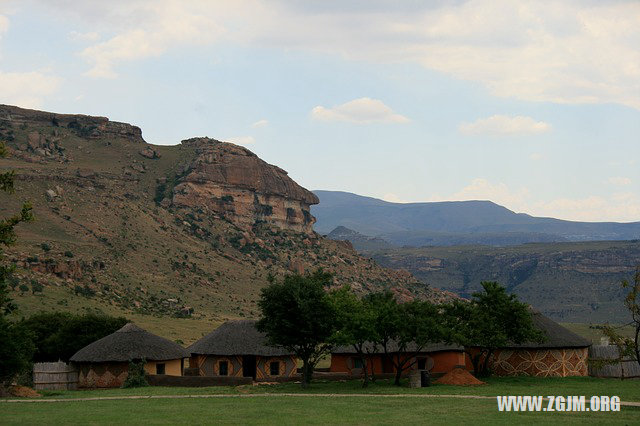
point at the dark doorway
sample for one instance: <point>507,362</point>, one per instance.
<point>249,366</point>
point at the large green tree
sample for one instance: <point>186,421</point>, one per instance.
<point>491,320</point>
<point>16,346</point>
<point>59,335</point>
<point>403,330</point>
<point>298,315</point>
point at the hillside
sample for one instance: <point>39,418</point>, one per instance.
<point>570,282</point>
<point>454,222</point>
<point>189,232</point>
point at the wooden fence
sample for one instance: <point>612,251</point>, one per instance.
<point>603,362</point>
<point>54,376</point>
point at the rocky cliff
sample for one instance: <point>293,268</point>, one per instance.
<point>233,182</point>
<point>85,125</point>
<point>179,238</point>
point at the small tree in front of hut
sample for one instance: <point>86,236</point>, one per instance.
<point>354,324</point>
<point>298,315</point>
<point>491,320</point>
<point>419,324</point>
<point>136,376</point>
<point>627,346</point>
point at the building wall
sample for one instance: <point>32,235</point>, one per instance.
<point>102,375</point>
<point>552,362</point>
<point>171,367</point>
<point>436,363</point>
<point>209,365</point>
<point>114,374</point>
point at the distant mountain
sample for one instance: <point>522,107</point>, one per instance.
<point>454,222</point>
<point>570,282</point>
<point>360,242</point>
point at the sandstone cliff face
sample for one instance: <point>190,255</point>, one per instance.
<point>85,125</point>
<point>233,182</point>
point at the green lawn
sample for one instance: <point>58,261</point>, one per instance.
<point>627,390</point>
<point>280,409</point>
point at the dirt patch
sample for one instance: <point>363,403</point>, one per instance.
<point>459,377</point>
<point>23,392</point>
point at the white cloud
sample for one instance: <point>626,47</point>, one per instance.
<point>536,156</point>
<point>619,181</point>
<point>500,193</point>
<point>616,207</point>
<point>4,24</point>
<point>84,37</point>
<point>260,123</point>
<point>619,207</point>
<point>504,125</point>
<point>242,140</point>
<point>393,198</point>
<point>360,111</point>
<point>28,89</point>
<point>168,24</point>
<point>563,52</point>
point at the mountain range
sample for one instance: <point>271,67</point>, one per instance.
<point>454,222</point>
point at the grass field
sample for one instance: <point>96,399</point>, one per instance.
<point>336,402</point>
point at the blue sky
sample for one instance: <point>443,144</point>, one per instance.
<point>533,105</point>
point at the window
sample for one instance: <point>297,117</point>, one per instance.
<point>274,368</point>
<point>357,363</point>
<point>223,368</point>
<point>160,368</point>
<point>422,363</point>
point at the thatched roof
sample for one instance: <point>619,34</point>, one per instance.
<point>392,347</point>
<point>130,343</point>
<point>238,337</point>
<point>556,335</point>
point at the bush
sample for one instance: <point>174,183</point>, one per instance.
<point>45,246</point>
<point>137,377</point>
<point>59,335</point>
<point>68,253</point>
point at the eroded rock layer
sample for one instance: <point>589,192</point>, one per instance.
<point>233,182</point>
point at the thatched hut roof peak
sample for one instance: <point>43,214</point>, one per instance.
<point>236,337</point>
<point>130,343</point>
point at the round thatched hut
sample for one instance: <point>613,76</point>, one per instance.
<point>105,362</point>
<point>238,349</point>
<point>563,353</point>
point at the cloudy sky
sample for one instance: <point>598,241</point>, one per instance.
<point>534,105</point>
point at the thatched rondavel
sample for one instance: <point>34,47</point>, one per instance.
<point>238,349</point>
<point>563,353</point>
<point>105,362</point>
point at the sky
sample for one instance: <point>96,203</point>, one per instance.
<point>534,105</point>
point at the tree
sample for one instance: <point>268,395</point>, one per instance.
<point>491,320</point>
<point>298,315</point>
<point>59,335</point>
<point>16,347</point>
<point>419,324</point>
<point>628,347</point>
<point>354,324</point>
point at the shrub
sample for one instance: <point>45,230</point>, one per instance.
<point>137,377</point>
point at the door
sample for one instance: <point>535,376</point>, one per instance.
<point>249,366</point>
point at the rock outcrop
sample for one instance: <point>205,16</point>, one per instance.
<point>233,182</point>
<point>85,125</point>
